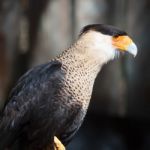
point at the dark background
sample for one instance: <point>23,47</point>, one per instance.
<point>34,31</point>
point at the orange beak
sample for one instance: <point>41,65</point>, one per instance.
<point>125,43</point>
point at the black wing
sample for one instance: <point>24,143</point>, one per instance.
<point>33,92</point>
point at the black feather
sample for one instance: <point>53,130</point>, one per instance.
<point>29,113</point>
<point>105,29</point>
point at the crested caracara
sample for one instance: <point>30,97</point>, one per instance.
<point>51,99</point>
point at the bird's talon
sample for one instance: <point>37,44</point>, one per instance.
<point>58,145</point>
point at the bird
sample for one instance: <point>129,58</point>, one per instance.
<point>51,100</point>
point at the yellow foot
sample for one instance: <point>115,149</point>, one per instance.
<point>58,144</point>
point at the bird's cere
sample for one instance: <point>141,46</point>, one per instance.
<point>132,48</point>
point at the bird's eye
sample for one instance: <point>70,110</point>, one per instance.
<point>116,36</point>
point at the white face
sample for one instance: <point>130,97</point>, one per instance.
<point>98,45</point>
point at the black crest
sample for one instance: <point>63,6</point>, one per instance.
<point>105,29</point>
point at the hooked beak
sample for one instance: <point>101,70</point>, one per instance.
<point>125,44</point>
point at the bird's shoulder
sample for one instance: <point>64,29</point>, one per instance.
<point>39,74</point>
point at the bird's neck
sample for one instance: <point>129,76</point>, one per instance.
<point>75,58</point>
<point>81,71</point>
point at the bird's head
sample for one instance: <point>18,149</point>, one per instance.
<point>107,41</point>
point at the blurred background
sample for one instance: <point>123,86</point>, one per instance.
<point>34,31</point>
